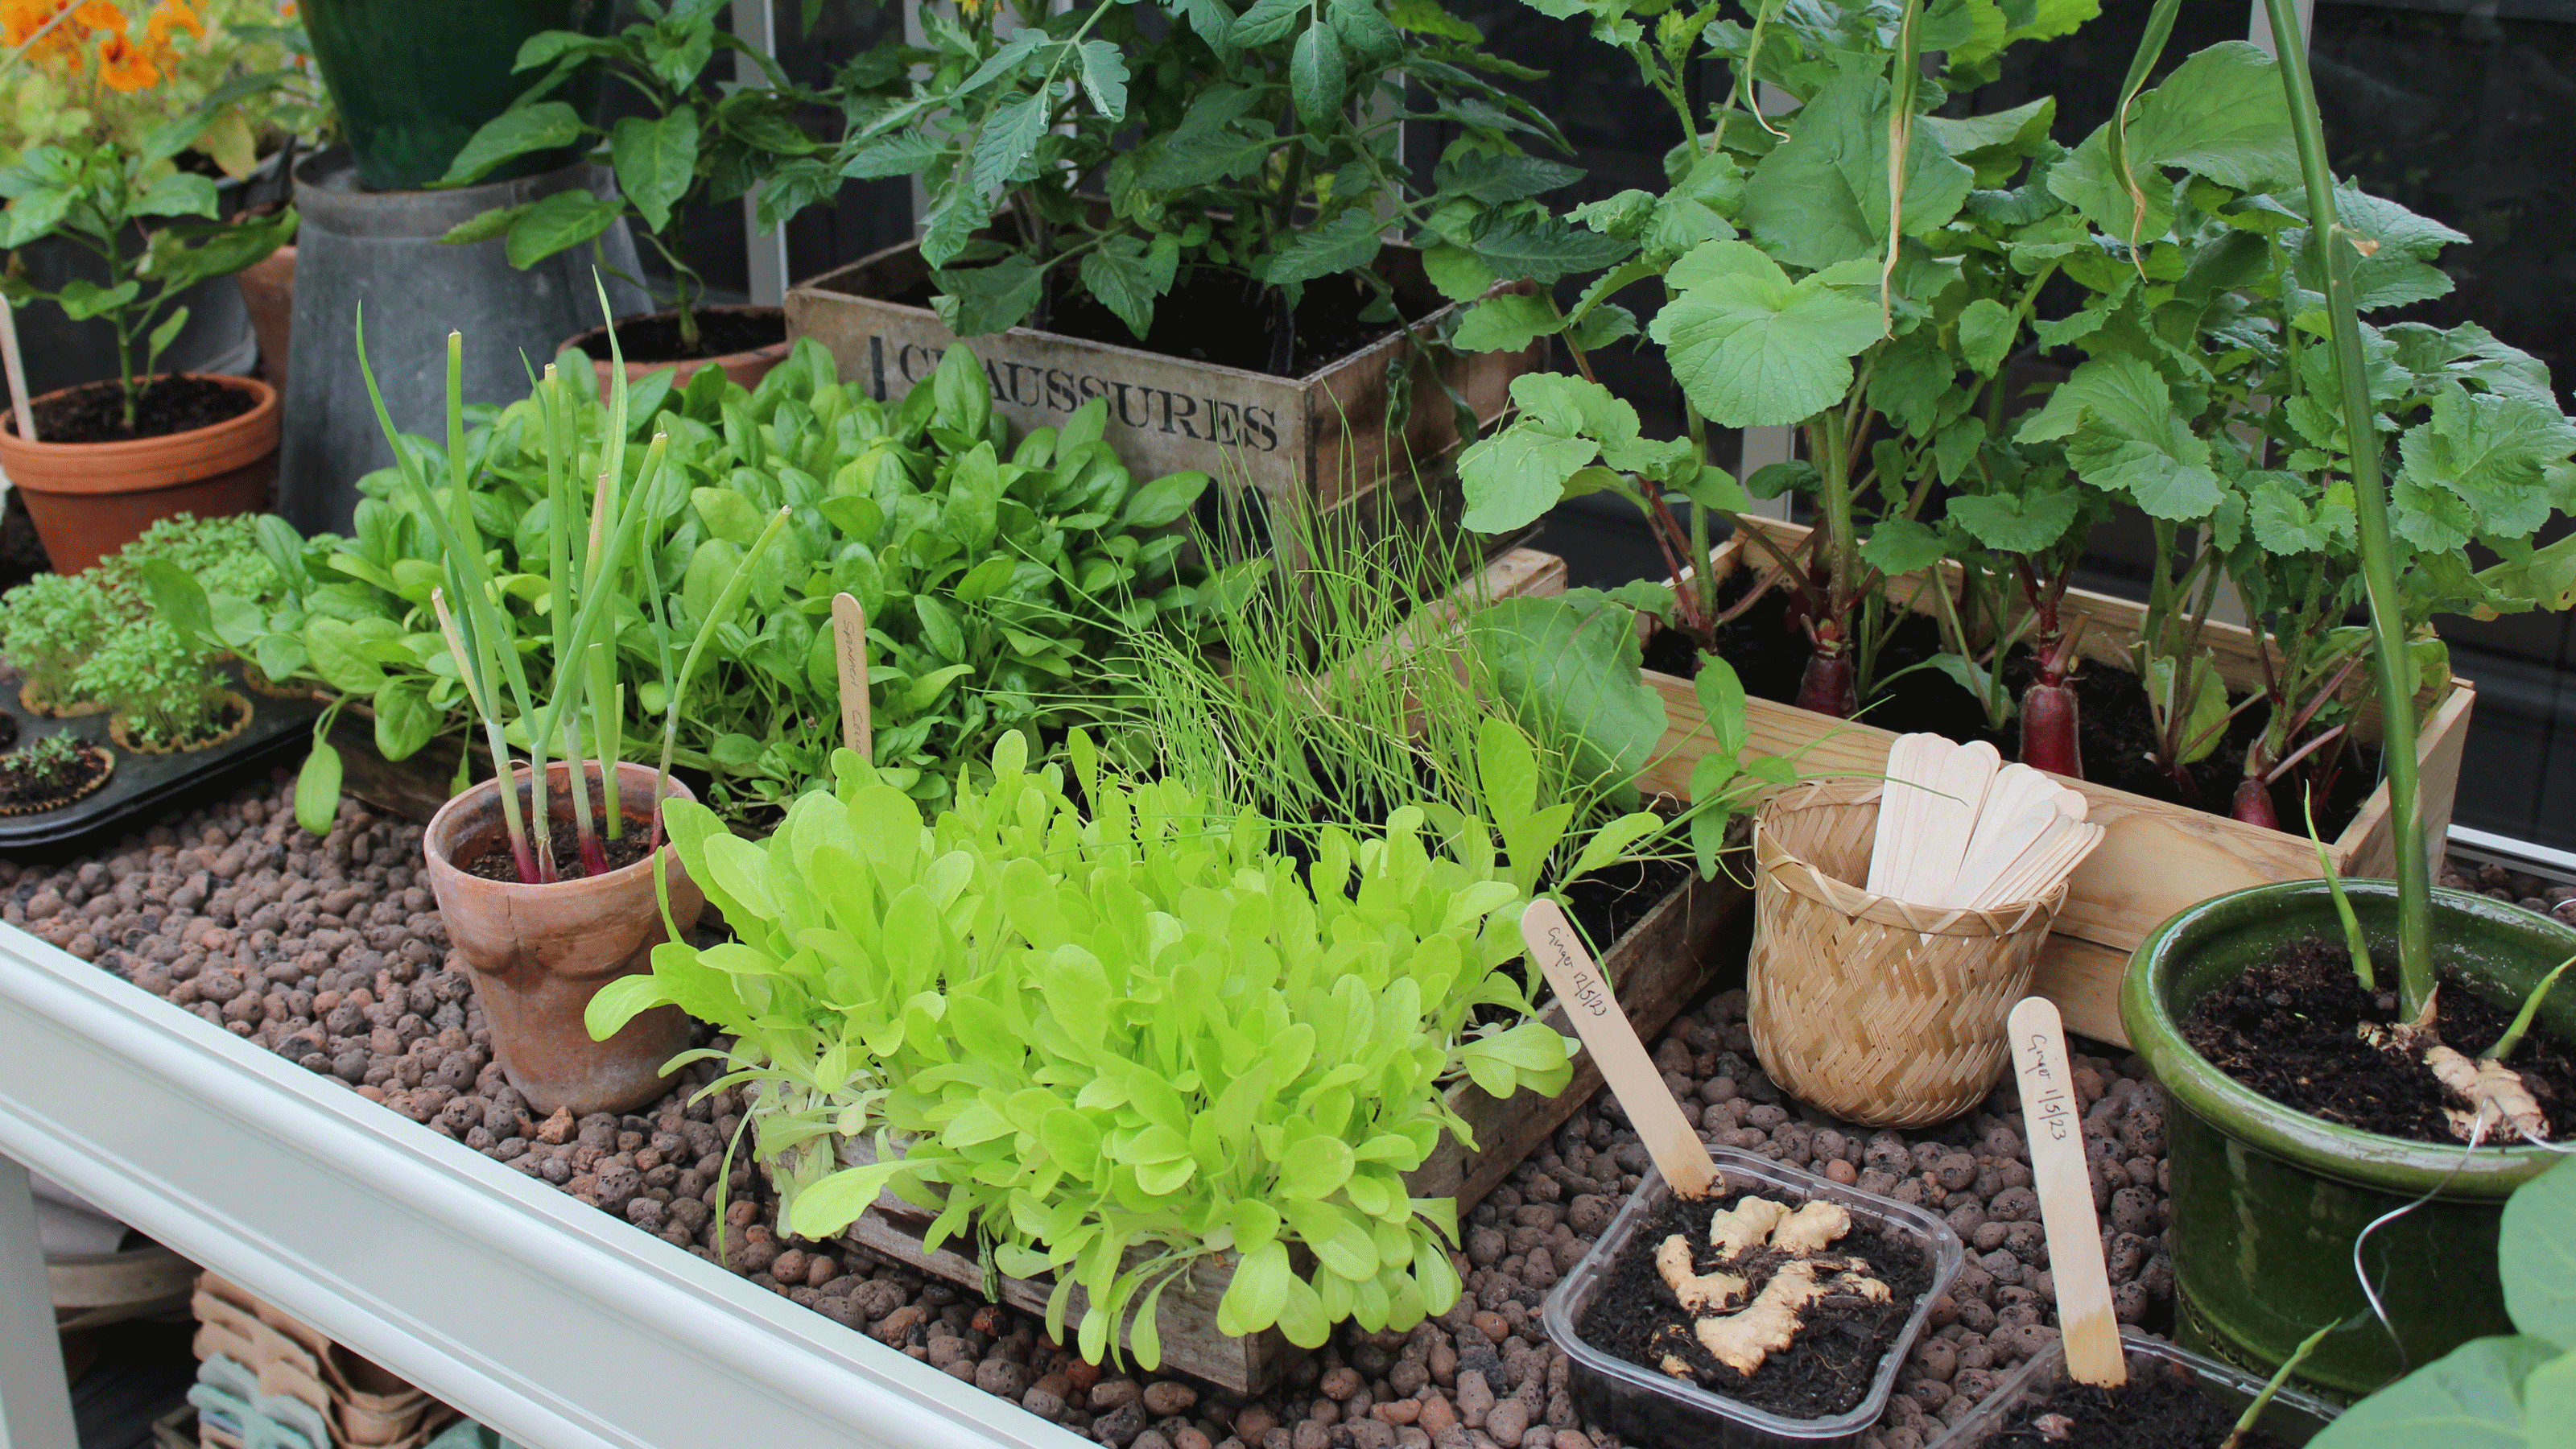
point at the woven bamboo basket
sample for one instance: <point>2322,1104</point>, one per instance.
<point>1875,1009</point>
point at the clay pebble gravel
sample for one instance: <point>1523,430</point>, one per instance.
<point>329,952</point>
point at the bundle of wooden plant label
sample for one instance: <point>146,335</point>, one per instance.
<point>1897,920</point>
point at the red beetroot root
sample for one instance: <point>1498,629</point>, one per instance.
<point>2048,734</point>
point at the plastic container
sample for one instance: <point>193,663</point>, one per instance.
<point>2292,1416</point>
<point>1656,1411</point>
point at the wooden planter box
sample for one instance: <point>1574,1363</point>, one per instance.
<point>1657,967</point>
<point>1322,437</point>
<point>2155,858</point>
<point>412,788</point>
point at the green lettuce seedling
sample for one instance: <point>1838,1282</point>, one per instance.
<point>1120,1043</point>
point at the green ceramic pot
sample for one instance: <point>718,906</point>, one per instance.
<point>414,81</point>
<point>2268,1201</point>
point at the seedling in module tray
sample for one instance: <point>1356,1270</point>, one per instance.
<point>140,786</point>
<point>1753,1304</point>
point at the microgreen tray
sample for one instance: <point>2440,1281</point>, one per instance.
<point>144,785</point>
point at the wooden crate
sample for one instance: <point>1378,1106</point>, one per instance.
<point>2155,858</point>
<point>1322,437</point>
<point>1656,967</point>
<point>413,787</point>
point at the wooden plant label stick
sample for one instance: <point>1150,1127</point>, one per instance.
<point>19,402</point>
<point>1606,1032</point>
<point>2052,1115</point>
<point>850,642</point>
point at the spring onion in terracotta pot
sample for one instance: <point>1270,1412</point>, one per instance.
<point>548,876</point>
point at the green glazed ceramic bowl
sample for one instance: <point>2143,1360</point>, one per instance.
<point>2268,1202</point>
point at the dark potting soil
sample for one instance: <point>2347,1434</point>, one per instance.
<point>2163,1409</point>
<point>1212,317</point>
<point>222,725</point>
<point>1826,1370</point>
<point>2289,1029</point>
<point>24,792</point>
<point>95,413</point>
<point>657,338</point>
<point>1611,901</point>
<point>499,864</point>
<point>8,731</point>
<point>2114,728</point>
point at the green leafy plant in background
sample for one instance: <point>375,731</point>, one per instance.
<point>994,573</point>
<point>91,194</point>
<point>1120,1044</point>
<point>100,637</point>
<point>1804,280</point>
<point>48,626</point>
<point>2208,398</point>
<point>2507,1391</point>
<point>1258,145</point>
<point>702,143</point>
<point>165,691</point>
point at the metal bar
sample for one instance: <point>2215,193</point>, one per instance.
<point>2555,865</point>
<point>35,1398</point>
<point>755,24</point>
<point>544,1318</point>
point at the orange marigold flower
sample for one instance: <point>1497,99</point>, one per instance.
<point>20,19</point>
<point>168,18</point>
<point>100,15</point>
<point>125,67</point>
<point>286,11</point>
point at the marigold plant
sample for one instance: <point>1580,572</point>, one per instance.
<point>102,72</point>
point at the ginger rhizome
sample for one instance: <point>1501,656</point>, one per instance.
<point>1755,1234</point>
<point>2494,1103</point>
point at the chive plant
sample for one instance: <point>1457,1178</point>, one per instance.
<point>593,597</point>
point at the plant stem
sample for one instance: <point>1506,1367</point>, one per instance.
<point>2354,941</point>
<point>608,719</point>
<point>2370,507</point>
<point>2298,1356</point>
<point>2522,1019</point>
<point>594,860</point>
<point>469,669</point>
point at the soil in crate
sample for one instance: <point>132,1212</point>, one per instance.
<point>1827,1368</point>
<point>499,864</point>
<point>1210,317</point>
<point>2115,730</point>
<point>2289,1028</point>
<point>96,413</point>
<point>2165,1411</point>
<point>657,339</point>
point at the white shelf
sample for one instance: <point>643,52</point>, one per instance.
<point>520,1306</point>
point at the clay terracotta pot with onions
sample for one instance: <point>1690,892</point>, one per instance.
<point>539,952</point>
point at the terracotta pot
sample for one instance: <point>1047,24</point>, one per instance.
<point>268,290</point>
<point>746,368</point>
<point>539,953</point>
<point>90,499</point>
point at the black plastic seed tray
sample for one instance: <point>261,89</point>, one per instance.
<point>144,786</point>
